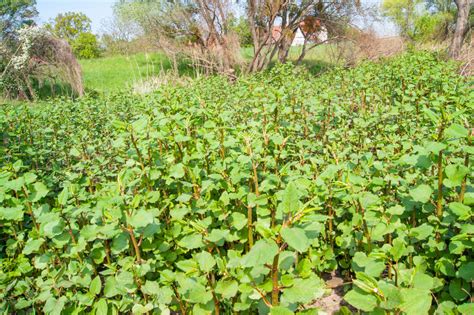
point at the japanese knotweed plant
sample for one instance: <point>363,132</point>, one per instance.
<point>240,198</point>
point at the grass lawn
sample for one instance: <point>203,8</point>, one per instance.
<point>120,72</point>
<point>114,73</point>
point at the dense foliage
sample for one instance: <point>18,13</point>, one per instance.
<point>76,29</point>
<point>86,46</point>
<point>15,14</point>
<point>223,197</point>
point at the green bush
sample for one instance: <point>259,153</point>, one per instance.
<point>240,197</point>
<point>241,27</point>
<point>430,27</point>
<point>86,46</point>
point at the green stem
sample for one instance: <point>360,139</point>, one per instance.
<point>250,226</point>
<point>464,181</point>
<point>275,287</point>
<point>439,203</point>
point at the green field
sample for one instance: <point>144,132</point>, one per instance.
<point>263,196</point>
<point>119,73</point>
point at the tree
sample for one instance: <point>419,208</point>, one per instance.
<point>199,30</point>
<point>441,5</point>
<point>462,26</point>
<point>86,46</point>
<point>15,14</point>
<point>75,28</point>
<point>333,16</point>
<point>403,13</point>
<point>69,25</point>
<point>241,27</point>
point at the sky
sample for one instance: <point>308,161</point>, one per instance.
<point>97,10</point>
<point>101,10</point>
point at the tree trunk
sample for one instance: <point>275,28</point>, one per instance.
<point>462,26</point>
<point>302,54</point>
<point>285,44</point>
<point>284,48</point>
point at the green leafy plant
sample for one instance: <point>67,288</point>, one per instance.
<point>86,46</point>
<point>221,198</point>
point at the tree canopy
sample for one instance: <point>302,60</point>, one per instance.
<point>70,25</point>
<point>14,14</point>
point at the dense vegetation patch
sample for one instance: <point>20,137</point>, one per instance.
<point>223,197</point>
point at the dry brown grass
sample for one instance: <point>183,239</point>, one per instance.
<point>366,45</point>
<point>153,83</point>
<point>467,57</point>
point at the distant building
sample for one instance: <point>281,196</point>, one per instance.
<point>309,30</point>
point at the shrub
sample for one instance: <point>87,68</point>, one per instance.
<point>86,46</point>
<point>238,198</point>
<point>36,56</point>
<point>429,27</point>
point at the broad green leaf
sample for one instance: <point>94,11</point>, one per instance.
<point>63,196</point>
<point>142,309</point>
<point>398,249</point>
<point>456,131</point>
<point>227,288</point>
<point>422,232</point>
<point>95,286</point>
<point>392,295</point>
<point>466,271</point>
<point>140,124</point>
<point>423,281</point>
<point>458,289</point>
<point>365,282</point>
<point>280,310</point>
<point>218,236</point>
<point>304,291</point>
<point>361,300</point>
<point>120,243</point>
<point>101,307</point>
<point>290,199</point>
<point>197,293</point>
<point>463,212</point>
<point>40,191</point>
<point>188,265</point>
<point>177,171</point>
<point>239,221</point>
<point>421,193</point>
<point>466,308</point>
<point>54,226</point>
<point>415,301</point>
<point>261,253</point>
<point>126,282</point>
<point>396,210</point>
<point>445,266</point>
<point>206,261</point>
<point>110,287</point>
<point>296,238</point>
<point>191,241</point>
<point>455,174</point>
<point>55,306</point>
<point>431,115</point>
<point>29,178</point>
<point>32,246</point>
<point>435,147</point>
<point>12,214</point>
<point>141,218</point>
<point>184,198</point>
<point>368,199</point>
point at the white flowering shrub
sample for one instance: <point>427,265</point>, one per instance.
<point>28,36</point>
<point>34,57</point>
